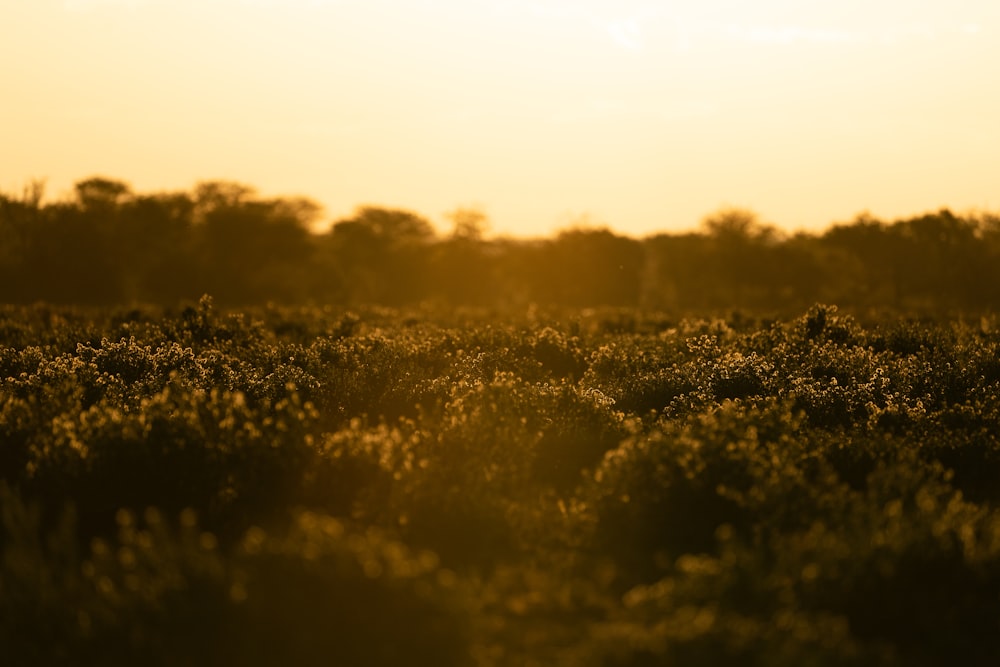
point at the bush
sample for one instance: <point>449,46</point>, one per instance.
<point>595,488</point>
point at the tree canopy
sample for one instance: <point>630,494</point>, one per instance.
<point>109,244</point>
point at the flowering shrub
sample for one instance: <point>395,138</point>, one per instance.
<point>427,487</point>
<point>163,591</point>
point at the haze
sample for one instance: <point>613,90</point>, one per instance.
<point>644,116</point>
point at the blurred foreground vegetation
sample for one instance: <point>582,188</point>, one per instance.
<point>431,486</point>
<point>108,245</point>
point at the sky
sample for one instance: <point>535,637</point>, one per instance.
<point>642,116</point>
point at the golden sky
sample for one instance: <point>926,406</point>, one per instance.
<point>645,116</point>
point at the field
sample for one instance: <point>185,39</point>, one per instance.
<point>610,487</point>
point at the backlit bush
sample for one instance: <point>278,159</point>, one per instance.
<point>533,487</point>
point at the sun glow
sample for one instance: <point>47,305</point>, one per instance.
<point>644,115</point>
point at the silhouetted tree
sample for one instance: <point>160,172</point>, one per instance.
<point>588,267</point>
<point>674,271</point>
<point>106,244</point>
<point>869,242</point>
<point>989,236</point>
<point>158,250</point>
<point>252,249</point>
<point>813,272</point>
<point>938,259</point>
<point>20,217</point>
<point>72,249</point>
<point>101,194</point>
<point>742,270</point>
<point>464,265</point>
<point>380,256</point>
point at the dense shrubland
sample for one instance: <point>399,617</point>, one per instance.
<point>108,245</point>
<point>443,487</point>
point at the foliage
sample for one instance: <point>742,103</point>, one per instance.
<point>109,245</point>
<point>449,487</point>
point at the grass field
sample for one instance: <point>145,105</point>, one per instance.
<point>604,487</point>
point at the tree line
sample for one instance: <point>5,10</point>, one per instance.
<point>110,245</point>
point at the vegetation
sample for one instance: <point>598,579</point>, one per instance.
<point>109,246</point>
<point>444,486</point>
